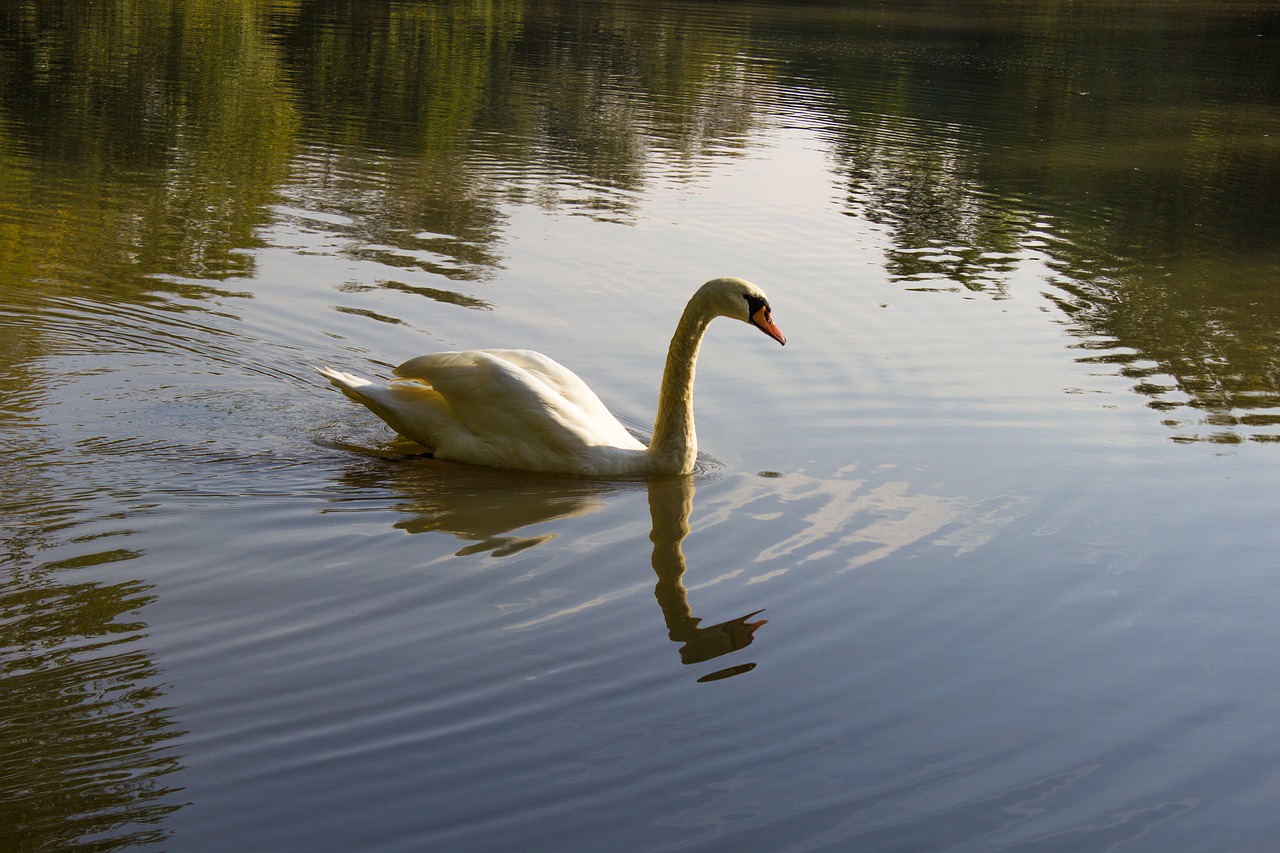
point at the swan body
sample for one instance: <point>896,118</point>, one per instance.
<point>520,409</point>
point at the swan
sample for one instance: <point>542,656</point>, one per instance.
<point>520,409</point>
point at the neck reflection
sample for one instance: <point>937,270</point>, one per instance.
<point>670,505</point>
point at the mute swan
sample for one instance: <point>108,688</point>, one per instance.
<point>520,409</point>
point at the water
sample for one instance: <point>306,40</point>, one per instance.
<point>980,561</point>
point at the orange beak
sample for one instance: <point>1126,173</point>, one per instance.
<point>762,319</point>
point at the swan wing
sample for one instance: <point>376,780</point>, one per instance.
<point>522,398</point>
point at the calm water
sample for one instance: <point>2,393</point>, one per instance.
<point>1007,500</point>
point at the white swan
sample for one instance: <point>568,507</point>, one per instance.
<point>520,409</point>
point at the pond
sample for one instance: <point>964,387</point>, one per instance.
<point>983,559</point>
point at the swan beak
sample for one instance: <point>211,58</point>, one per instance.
<point>762,319</point>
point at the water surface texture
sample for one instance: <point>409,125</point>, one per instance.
<point>984,559</point>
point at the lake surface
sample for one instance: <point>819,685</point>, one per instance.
<point>1007,500</point>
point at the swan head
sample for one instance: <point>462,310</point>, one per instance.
<point>741,300</point>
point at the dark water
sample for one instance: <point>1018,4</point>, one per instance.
<point>982,560</point>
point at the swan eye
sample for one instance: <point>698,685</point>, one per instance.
<point>760,316</point>
<point>758,311</point>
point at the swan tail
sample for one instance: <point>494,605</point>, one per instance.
<point>345,382</point>
<point>413,409</point>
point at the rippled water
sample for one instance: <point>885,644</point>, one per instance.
<point>982,560</point>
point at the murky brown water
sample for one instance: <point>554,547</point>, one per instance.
<point>1007,499</point>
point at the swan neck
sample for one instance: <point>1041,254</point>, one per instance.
<point>674,449</point>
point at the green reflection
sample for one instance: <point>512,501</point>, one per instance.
<point>391,97</point>
<point>151,136</point>
<point>85,744</point>
<point>410,78</point>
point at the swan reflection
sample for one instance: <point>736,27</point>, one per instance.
<point>489,508</point>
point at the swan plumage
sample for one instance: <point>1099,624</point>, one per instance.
<point>521,409</point>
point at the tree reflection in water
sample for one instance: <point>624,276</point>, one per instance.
<point>1132,151</point>
<point>84,750</point>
